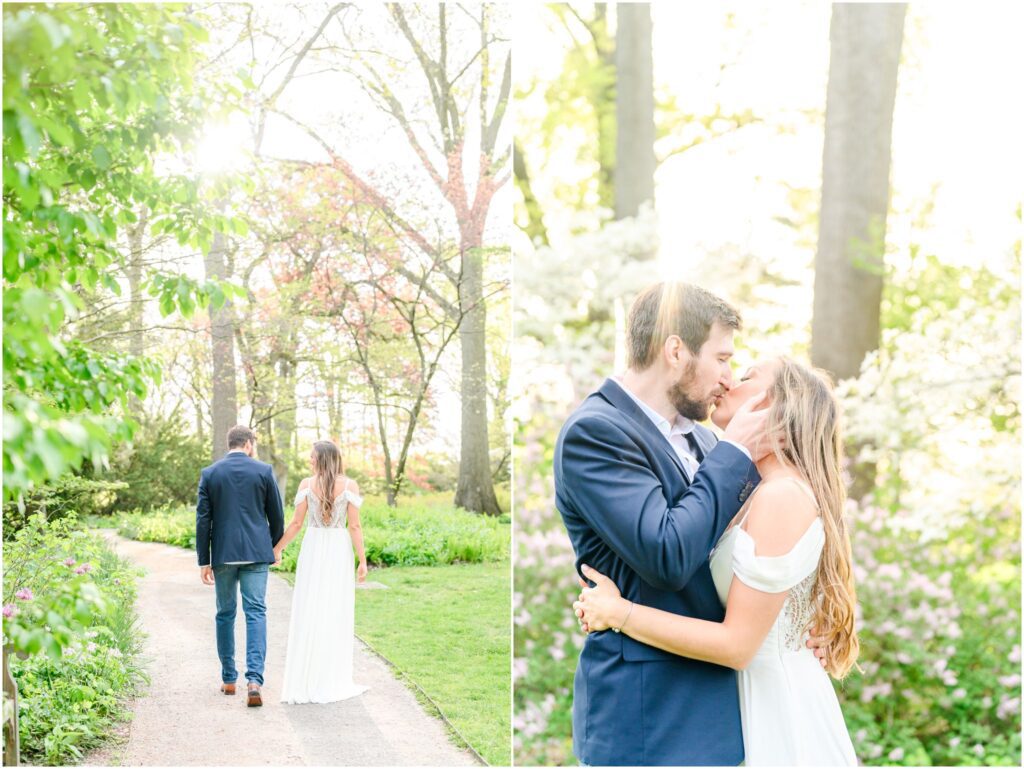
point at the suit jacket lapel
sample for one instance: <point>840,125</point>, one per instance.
<point>612,392</point>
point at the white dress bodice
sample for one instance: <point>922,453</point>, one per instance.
<point>796,571</point>
<point>338,517</point>
<point>788,709</point>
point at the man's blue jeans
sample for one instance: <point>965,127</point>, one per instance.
<point>252,578</point>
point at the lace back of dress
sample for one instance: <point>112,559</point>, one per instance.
<point>798,610</point>
<point>316,517</point>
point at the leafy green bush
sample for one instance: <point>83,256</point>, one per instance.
<point>66,594</point>
<point>70,493</point>
<point>161,466</point>
<point>422,531</point>
<point>173,525</point>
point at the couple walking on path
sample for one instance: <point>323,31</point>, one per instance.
<point>240,532</point>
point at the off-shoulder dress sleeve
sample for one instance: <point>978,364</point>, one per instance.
<point>777,574</point>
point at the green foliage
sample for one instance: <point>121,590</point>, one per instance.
<point>421,531</point>
<point>91,94</point>
<point>76,605</point>
<point>418,533</point>
<point>160,467</point>
<point>929,288</point>
<point>68,494</point>
<point>174,526</point>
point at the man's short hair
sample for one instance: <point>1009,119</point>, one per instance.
<point>669,308</point>
<point>239,435</point>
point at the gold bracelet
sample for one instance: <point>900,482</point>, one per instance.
<point>619,628</point>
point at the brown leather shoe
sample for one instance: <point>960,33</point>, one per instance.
<point>255,698</point>
<point>227,688</point>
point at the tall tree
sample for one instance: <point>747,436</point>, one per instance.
<point>864,60</point>
<point>467,160</point>
<point>470,203</point>
<point>224,385</point>
<point>634,109</point>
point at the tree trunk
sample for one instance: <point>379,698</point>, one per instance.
<point>284,421</point>
<point>849,265</point>
<point>475,489</point>
<point>382,428</point>
<point>603,101</point>
<point>224,400</point>
<point>335,412</point>
<point>137,298</point>
<point>634,109</point>
<point>848,270</point>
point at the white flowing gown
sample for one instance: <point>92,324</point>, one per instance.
<point>788,708</point>
<point>318,662</point>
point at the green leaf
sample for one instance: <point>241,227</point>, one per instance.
<point>33,641</point>
<point>57,132</point>
<point>29,135</point>
<point>54,29</point>
<point>101,156</point>
<point>89,277</point>
<point>36,304</point>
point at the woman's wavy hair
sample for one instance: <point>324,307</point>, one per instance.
<point>805,413</point>
<point>326,471</point>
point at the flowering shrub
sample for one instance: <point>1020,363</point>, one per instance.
<point>547,638</point>
<point>68,609</point>
<point>940,643</point>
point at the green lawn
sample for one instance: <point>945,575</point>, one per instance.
<point>447,628</point>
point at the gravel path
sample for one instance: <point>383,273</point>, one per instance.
<point>183,719</point>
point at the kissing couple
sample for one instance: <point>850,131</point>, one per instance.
<point>718,589</point>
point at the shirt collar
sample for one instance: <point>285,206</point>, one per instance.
<point>681,426</point>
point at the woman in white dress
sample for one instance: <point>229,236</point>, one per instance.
<point>318,661</point>
<point>782,566</point>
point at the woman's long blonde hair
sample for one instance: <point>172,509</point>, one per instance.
<point>327,468</point>
<point>805,412</point>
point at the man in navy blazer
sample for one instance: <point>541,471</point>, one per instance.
<point>645,493</point>
<point>239,519</point>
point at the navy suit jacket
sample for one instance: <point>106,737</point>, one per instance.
<point>239,514</point>
<point>632,515</point>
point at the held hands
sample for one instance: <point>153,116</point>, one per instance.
<point>206,574</point>
<point>277,556</point>
<point>602,606</point>
<point>819,645</point>
<point>361,572</point>
<point>747,427</point>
